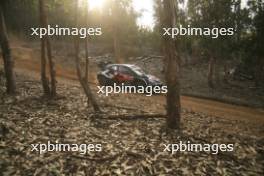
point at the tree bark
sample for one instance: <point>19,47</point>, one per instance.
<point>82,79</point>
<point>226,73</point>
<point>86,74</point>
<point>117,50</point>
<point>86,62</point>
<point>238,20</point>
<point>49,89</point>
<point>86,47</point>
<point>115,30</point>
<point>259,72</point>
<point>44,79</point>
<point>217,73</point>
<point>172,70</point>
<point>7,57</point>
<point>51,69</point>
<point>211,69</point>
<point>83,82</point>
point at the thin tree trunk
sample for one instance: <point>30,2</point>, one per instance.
<point>44,79</point>
<point>259,72</point>
<point>51,69</point>
<point>116,40</point>
<point>238,20</point>
<point>217,72</point>
<point>86,46</point>
<point>46,47</point>
<point>8,60</point>
<point>82,79</point>
<point>86,61</point>
<point>86,74</point>
<point>117,47</point>
<point>83,82</point>
<point>211,69</point>
<point>172,70</point>
<point>226,73</point>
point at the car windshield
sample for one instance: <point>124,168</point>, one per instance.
<point>138,70</point>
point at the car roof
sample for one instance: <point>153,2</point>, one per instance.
<point>126,65</point>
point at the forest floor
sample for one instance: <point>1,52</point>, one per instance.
<point>129,146</point>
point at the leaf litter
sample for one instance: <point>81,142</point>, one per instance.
<point>129,147</point>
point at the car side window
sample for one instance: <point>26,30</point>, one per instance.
<point>125,70</point>
<point>113,68</point>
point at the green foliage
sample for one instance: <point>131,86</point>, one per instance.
<point>119,16</point>
<point>213,13</point>
<point>20,15</point>
<point>116,17</point>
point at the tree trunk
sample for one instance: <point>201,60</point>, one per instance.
<point>238,20</point>
<point>86,46</point>
<point>51,69</point>
<point>46,48</point>
<point>44,79</point>
<point>86,75</point>
<point>211,69</point>
<point>115,30</point>
<point>83,82</point>
<point>217,72</point>
<point>172,70</point>
<point>117,50</point>
<point>8,60</point>
<point>82,79</point>
<point>259,72</point>
<point>226,74</point>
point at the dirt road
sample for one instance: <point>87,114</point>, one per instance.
<point>209,107</point>
<point>223,110</point>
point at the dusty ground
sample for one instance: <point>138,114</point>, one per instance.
<point>194,83</point>
<point>130,147</point>
<point>27,59</point>
<point>193,77</point>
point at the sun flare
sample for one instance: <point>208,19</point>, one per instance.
<point>94,4</point>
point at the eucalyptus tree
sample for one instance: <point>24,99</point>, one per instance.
<point>82,76</point>
<point>46,52</point>
<point>257,13</point>
<point>119,21</point>
<point>213,14</point>
<point>6,53</point>
<point>168,18</point>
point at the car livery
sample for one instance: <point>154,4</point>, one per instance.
<point>127,74</point>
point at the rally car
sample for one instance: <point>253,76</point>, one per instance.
<point>128,74</point>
